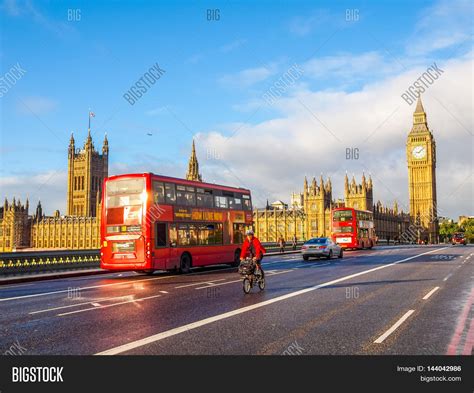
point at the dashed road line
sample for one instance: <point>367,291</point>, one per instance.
<point>446,278</point>
<point>105,299</point>
<point>81,288</point>
<point>394,327</point>
<point>194,325</point>
<point>198,283</point>
<point>108,305</point>
<point>427,296</point>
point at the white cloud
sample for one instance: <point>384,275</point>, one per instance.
<point>156,111</point>
<point>36,105</point>
<point>272,157</point>
<point>229,47</point>
<point>196,58</point>
<point>248,77</point>
<point>11,7</point>
<point>444,25</point>
<point>304,25</point>
<point>348,66</point>
<point>50,187</point>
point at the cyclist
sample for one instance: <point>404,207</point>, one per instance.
<point>252,248</point>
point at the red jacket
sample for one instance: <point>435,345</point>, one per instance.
<point>259,249</point>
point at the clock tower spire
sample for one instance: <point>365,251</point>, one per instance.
<point>421,159</point>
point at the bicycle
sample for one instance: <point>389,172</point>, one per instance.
<point>247,269</point>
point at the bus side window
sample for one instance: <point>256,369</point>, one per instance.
<point>173,236</point>
<point>158,192</point>
<point>170,193</point>
<point>160,234</point>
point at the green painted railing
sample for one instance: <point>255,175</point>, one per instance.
<point>35,261</point>
<point>38,261</point>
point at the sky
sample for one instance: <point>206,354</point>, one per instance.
<point>337,71</point>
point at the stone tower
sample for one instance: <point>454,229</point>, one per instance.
<point>358,196</point>
<point>87,169</point>
<point>421,160</point>
<point>193,166</point>
<point>317,202</point>
<point>14,226</point>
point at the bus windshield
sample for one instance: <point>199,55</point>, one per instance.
<point>124,201</point>
<point>342,215</point>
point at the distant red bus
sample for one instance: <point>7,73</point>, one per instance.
<point>353,228</point>
<point>151,222</point>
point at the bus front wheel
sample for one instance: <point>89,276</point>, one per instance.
<point>185,264</point>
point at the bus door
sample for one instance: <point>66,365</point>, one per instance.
<point>162,249</point>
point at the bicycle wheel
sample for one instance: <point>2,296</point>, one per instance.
<point>246,285</point>
<point>261,284</point>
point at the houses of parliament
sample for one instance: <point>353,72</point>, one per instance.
<point>308,214</point>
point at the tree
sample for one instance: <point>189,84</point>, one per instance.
<point>446,230</point>
<point>468,228</point>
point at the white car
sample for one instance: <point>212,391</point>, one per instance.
<point>321,247</point>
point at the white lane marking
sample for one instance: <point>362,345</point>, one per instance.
<point>267,273</point>
<point>8,286</point>
<point>324,264</point>
<point>109,305</point>
<point>81,288</point>
<point>309,264</point>
<point>163,291</point>
<point>198,283</point>
<point>104,299</point>
<point>426,297</point>
<point>446,278</point>
<point>172,332</point>
<point>215,285</point>
<point>96,304</point>
<point>394,327</point>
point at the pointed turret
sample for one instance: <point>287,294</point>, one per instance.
<point>305,185</point>
<point>71,148</point>
<point>39,210</point>
<point>346,183</point>
<point>420,123</point>
<point>193,166</point>
<point>105,145</point>
<point>419,106</point>
<point>328,185</point>
<point>314,186</point>
<point>88,143</point>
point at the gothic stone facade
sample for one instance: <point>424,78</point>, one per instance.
<point>310,212</point>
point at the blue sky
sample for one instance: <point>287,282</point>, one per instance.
<point>216,74</point>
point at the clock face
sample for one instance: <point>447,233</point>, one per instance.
<point>419,152</point>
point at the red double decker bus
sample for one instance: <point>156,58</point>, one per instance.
<point>353,228</point>
<point>151,222</point>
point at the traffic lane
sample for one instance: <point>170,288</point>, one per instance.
<point>62,284</point>
<point>65,291</point>
<point>128,288</point>
<point>171,313</point>
<point>32,324</point>
<point>249,332</point>
<point>443,324</point>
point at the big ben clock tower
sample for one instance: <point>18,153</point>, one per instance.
<point>421,158</point>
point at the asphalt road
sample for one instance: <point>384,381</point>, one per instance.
<point>380,301</point>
